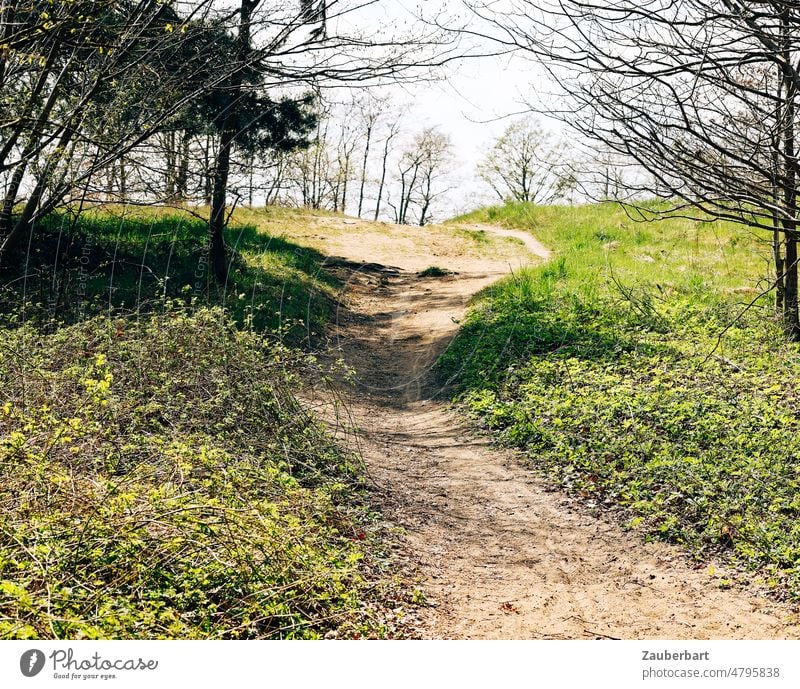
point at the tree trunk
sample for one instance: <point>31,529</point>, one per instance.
<point>389,137</point>
<point>123,180</point>
<point>208,175</point>
<point>251,164</point>
<point>779,268</point>
<point>426,201</point>
<point>111,182</point>
<point>790,302</point>
<point>364,170</point>
<point>777,237</point>
<point>790,310</point>
<point>407,191</point>
<point>344,182</point>
<point>216,225</point>
<point>182,182</point>
<point>171,159</point>
<point>383,181</point>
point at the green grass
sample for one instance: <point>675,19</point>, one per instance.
<point>134,259</point>
<point>612,368</point>
<point>479,237</point>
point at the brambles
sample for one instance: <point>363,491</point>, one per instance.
<point>159,479</point>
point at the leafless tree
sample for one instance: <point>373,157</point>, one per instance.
<point>391,134</point>
<point>702,94</point>
<point>527,163</point>
<point>420,167</point>
<point>437,150</point>
<point>348,140</point>
<point>371,112</point>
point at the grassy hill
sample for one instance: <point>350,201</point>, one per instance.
<point>630,371</point>
<point>158,476</point>
<point>129,259</point>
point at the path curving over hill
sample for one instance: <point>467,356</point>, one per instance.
<point>499,554</point>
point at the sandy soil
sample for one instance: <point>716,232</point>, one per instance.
<point>498,554</point>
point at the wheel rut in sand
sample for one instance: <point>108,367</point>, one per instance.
<point>499,554</point>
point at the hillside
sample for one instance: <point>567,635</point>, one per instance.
<point>276,458</point>
<point>640,371</point>
<point>159,477</point>
<point>497,551</point>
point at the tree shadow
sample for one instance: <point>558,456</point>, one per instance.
<point>498,337</point>
<point>74,267</point>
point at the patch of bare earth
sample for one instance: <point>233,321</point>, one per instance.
<point>499,555</point>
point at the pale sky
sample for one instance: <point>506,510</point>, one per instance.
<point>477,101</point>
<point>473,102</point>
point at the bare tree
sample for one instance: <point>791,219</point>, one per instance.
<point>312,173</point>
<point>437,150</point>
<point>420,166</point>
<point>348,141</point>
<point>320,177</point>
<point>702,94</point>
<point>391,135</point>
<point>371,112</point>
<point>527,163</point>
<point>275,165</point>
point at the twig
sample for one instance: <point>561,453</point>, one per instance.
<point>605,636</point>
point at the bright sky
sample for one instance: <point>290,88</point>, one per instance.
<point>474,101</point>
<point>478,100</point>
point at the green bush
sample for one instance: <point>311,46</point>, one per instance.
<point>159,479</point>
<point>434,272</point>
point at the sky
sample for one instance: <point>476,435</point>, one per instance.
<point>477,101</point>
<point>473,101</point>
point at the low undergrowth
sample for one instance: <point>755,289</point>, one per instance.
<point>159,479</point>
<point>629,371</point>
<point>434,272</point>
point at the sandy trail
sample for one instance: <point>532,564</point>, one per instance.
<point>499,555</point>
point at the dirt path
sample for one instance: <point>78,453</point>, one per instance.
<point>500,556</point>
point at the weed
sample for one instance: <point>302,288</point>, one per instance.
<point>433,272</point>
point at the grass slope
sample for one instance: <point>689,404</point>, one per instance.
<point>132,259</point>
<point>626,371</point>
<point>158,476</point>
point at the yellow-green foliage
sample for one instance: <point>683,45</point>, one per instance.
<point>677,253</point>
<point>630,372</point>
<point>158,478</point>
